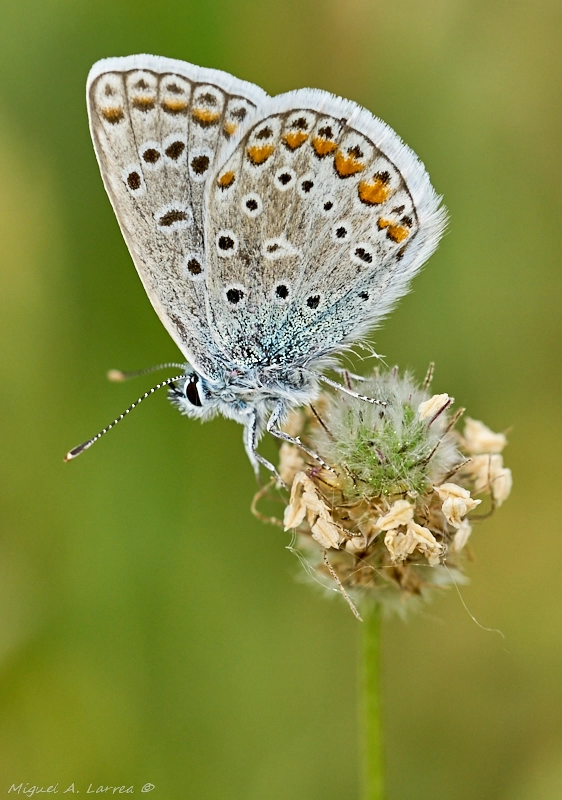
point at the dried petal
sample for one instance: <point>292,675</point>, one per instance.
<point>315,505</point>
<point>462,535</point>
<point>429,408</point>
<point>401,512</point>
<point>307,501</point>
<point>290,462</point>
<point>478,438</point>
<point>326,533</point>
<point>296,510</point>
<point>452,490</point>
<point>398,545</point>
<point>426,542</point>
<point>457,502</point>
<point>401,545</point>
<point>357,544</point>
<point>501,487</point>
<point>490,475</point>
<point>294,513</point>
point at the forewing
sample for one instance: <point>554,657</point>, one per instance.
<point>157,125</point>
<point>316,222</point>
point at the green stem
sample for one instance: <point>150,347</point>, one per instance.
<point>372,727</point>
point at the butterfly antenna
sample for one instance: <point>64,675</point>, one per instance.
<point>117,375</point>
<point>81,447</point>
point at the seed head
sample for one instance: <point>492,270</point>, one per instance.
<point>391,520</point>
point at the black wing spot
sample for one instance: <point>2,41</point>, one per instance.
<point>326,132</point>
<point>313,301</point>
<point>151,156</point>
<point>364,295</point>
<point>134,181</point>
<point>271,248</point>
<point>251,204</point>
<point>265,133</point>
<point>364,255</point>
<point>341,232</point>
<point>208,98</point>
<point>329,205</point>
<point>227,243</point>
<point>306,186</point>
<point>194,266</point>
<point>200,164</point>
<point>282,291</point>
<point>175,215</point>
<point>174,88</point>
<point>284,178</point>
<point>175,150</point>
<point>239,113</point>
<point>355,151</point>
<point>300,124</point>
<point>234,296</point>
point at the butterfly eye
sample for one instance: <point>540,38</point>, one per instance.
<point>191,391</point>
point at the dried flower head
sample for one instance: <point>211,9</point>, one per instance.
<point>391,516</point>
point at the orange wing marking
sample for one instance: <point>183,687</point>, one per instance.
<point>259,153</point>
<point>323,147</point>
<point>205,117</point>
<point>375,191</point>
<point>294,139</point>
<point>226,179</point>
<point>393,231</point>
<point>113,114</point>
<point>347,165</point>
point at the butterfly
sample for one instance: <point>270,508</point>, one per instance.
<point>270,233</point>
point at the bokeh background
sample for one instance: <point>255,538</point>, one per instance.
<point>150,629</point>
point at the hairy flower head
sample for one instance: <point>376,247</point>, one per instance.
<point>391,515</point>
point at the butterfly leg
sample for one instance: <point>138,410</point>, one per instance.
<point>251,443</point>
<point>277,432</point>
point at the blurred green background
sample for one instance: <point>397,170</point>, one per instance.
<point>150,628</point>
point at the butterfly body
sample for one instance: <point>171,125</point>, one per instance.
<point>269,233</point>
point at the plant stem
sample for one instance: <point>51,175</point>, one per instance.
<point>372,727</point>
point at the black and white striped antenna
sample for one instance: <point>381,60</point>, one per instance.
<point>121,376</point>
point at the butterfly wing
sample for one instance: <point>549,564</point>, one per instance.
<point>316,220</point>
<point>157,125</point>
